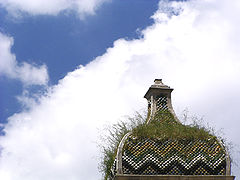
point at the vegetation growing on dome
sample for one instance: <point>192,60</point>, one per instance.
<point>112,140</point>
<point>109,150</point>
<point>162,126</point>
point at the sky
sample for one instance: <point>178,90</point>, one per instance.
<point>68,68</point>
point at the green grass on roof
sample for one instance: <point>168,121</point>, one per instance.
<point>164,126</point>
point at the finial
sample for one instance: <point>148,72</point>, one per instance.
<point>159,84</point>
<point>158,81</point>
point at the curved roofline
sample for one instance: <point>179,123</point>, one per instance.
<point>119,153</point>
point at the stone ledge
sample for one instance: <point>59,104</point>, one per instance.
<point>173,177</point>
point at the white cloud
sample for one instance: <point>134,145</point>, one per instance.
<point>196,52</point>
<point>52,7</point>
<point>29,74</point>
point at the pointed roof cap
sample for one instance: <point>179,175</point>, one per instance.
<point>157,86</point>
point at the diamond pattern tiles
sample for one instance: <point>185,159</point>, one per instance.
<point>162,103</point>
<point>173,157</point>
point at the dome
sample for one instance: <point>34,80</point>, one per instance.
<point>164,146</point>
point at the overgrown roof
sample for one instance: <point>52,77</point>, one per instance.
<point>164,126</point>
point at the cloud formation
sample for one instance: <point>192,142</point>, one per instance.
<point>29,74</point>
<point>53,7</point>
<point>193,46</point>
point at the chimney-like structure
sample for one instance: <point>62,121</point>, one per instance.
<point>159,99</point>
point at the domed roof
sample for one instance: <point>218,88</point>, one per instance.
<point>164,146</point>
<point>147,156</point>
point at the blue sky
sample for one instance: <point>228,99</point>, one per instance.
<point>64,42</point>
<point>70,68</point>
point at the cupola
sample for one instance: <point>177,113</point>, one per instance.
<point>164,149</point>
<point>159,99</point>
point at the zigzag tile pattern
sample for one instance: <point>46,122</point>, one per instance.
<point>173,157</point>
